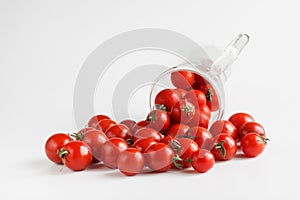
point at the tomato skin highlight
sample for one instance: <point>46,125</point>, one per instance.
<point>177,130</point>
<point>54,143</point>
<point>203,160</point>
<point>143,143</point>
<point>130,161</point>
<point>252,127</point>
<point>239,119</point>
<point>197,98</point>
<point>105,124</point>
<point>223,126</point>
<point>110,151</point>
<point>93,122</point>
<point>158,120</point>
<point>78,155</point>
<point>147,133</point>
<point>182,79</point>
<point>140,125</point>
<point>201,136</point>
<point>225,147</point>
<point>168,98</point>
<point>252,144</point>
<point>159,157</point>
<point>118,130</point>
<point>129,123</point>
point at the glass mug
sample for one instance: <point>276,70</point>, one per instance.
<point>215,74</point>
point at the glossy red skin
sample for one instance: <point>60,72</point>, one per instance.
<point>229,145</point>
<point>179,116</point>
<point>201,136</point>
<point>199,119</point>
<point>214,104</point>
<point>140,125</point>
<point>85,130</point>
<point>168,98</point>
<point>197,98</point>
<point>182,79</point>
<point>147,133</point>
<point>95,139</point>
<point>119,131</point>
<point>159,157</point>
<point>54,143</point>
<point>203,160</point>
<point>110,151</point>
<point>251,127</point>
<point>187,148</point>
<point>105,124</point>
<point>143,143</point>
<point>130,161</point>
<point>206,110</point>
<point>223,126</point>
<point>177,130</point>
<point>93,122</point>
<point>167,139</point>
<point>129,123</point>
<point>252,144</point>
<point>181,92</point>
<point>239,119</point>
<point>161,121</point>
<point>79,155</point>
<point>199,81</point>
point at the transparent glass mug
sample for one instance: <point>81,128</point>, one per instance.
<point>215,74</point>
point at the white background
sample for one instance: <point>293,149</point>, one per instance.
<point>44,43</point>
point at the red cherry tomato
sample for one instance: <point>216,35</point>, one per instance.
<point>129,123</point>
<point>187,148</point>
<point>182,112</point>
<point>76,155</point>
<point>197,98</point>
<point>182,79</point>
<point>147,133</point>
<point>168,98</point>
<point>110,151</point>
<point>96,119</point>
<point>201,136</point>
<point>180,92</point>
<point>223,126</point>
<point>55,143</point>
<point>212,100</point>
<point>158,120</point>
<point>199,81</point>
<point>85,130</point>
<point>105,124</point>
<point>224,147</point>
<point>140,125</point>
<point>120,131</point>
<point>252,127</point>
<point>203,160</point>
<point>239,119</point>
<point>206,110</point>
<point>143,143</point>
<point>130,162</point>
<point>167,139</point>
<point>253,144</point>
<point>177,130</point>
<point>95,139</point>
<point>199,119</point>
<point>159,157</point>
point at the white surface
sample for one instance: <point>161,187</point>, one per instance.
<point>44,43</point>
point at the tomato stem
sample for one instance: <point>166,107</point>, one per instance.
<point>209,94</point>
<point>175,161</point>
<point>62,153</point>
<point>174,144</point>
<point>188,108</point>
<point>160,107</point>
<point>152,117</point>
<point>220,147</point>
<point>264,139</point>
<point>77,136</point>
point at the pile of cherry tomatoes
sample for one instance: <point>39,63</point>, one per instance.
<point>175,133</point>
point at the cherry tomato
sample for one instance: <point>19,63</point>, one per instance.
<point>167,139</point>
<point>55,143</point>
<point>140,125</point>
<point>239,119</point>
<point>76,155</point>
<point>177,130</point>
<point>251,127</point>
<point>199,119</point>
<point>143,143</point>
<point>130,161</point>
<point>181,92</point>
<point>159,157</point>
<point>182,112</point>
<point>212,100</point>
<point>197,98</point>
<point>158,120</point>
<point>105,124</point>
<point>223,126</point>
<point>185,151</point>
<point>206,110</point>
<point>96,119</point>
<point>85,130</point>
<point>201,136</point>
<point>253,144</point>
<point>203,160</point>
<point>129,123</point>
<point>120,131</point>
<point>147,133</point>
<point>182,79</point>
<point>199,81</point>
<point>110,151</point>
<point>224,147</point>
<point>168,98</point>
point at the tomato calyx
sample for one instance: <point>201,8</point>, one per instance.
<point>220,147</point>
<point>160,107</point>
<point>130,141</point>
<point>62,153</point>
<point>152,117</point>
<point>174,144</point>
<point>188,109</point>
<point>177,161</point>
<point>209,94</point>
<point>77,136</point>
<point>264,139</point>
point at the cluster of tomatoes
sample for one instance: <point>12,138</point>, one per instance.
<point>175,134</point>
